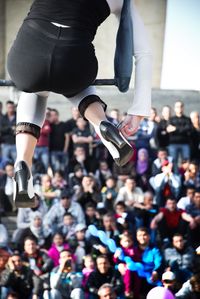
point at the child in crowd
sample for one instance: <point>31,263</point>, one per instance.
<point>109,193</point>
<point>67,228</point>
<point>89,266</point>
<point>57,246</point>
<point>129,277</point>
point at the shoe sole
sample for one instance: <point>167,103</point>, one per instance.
<point>22,200</point>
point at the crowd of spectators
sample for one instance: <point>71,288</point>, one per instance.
<point>149,207</point>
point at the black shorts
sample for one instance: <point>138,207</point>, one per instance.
<point>45,57</point>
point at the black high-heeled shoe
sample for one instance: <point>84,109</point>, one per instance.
<point>23,186</point>
<point>110,133</point>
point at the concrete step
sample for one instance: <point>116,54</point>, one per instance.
<point>10,223</point>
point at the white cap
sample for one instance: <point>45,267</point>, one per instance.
<point>168,275</point>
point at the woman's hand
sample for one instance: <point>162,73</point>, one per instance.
<point>130,125</point>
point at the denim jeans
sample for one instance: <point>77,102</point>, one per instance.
<point>8,151</point>
<point>42,153</point>
<point>179,149</point>
<point>59,160</point>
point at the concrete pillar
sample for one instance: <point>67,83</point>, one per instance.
<point>2,38</point>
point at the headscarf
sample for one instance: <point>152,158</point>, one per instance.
<point>142,165</point>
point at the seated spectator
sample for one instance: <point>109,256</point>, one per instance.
<point>130,194</point>
<point>4,256</point>
<point>188,199</point>
<point>19,278</point>
<point>130,278</point>
<point>6,188</point>
<point>109,193</point>
<point>79,245</point>
<point>37,231</point>
<point>125,219</point>
<point>67,227</point>
<point>162,155</point>
<point>166,183</point>
<point>25,215</point>
<point>64,282</point>
<point>88,268</point>
<point>80,158</point>
<point>57,246</point>
<point>88,193</point>
<point>104,273</point>
<point>58,181</point>
<point>109,226</point>
<point>171,220</point>
<point>48,192</point>
<point>192,175</point>
<point>38,261</point>
<point>169,281</point>
<point>180,258</point>
<point>190,289</point>
<point>151,258</point>
<point>54,218</point>
<point>106,291</point>
<point>193,210</point>
<point>75,178</point>
<point>143,169</point>
<point>102,173</point>
<point>90,215</point>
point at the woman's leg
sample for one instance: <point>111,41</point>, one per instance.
<point>93,109</point>
<point>31,113</point>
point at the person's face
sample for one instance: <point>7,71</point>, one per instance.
<point>166,112</point>
<point>54,117</point>
<point>89,263</point>
<point>65,202</point>
<point>126,242</point>
<point>196,287</point>
<point>197,199</point>
<point>30,247</point>
<point>130,184</point>
<point>110,183</point>
<point>75,113</point>
<point>79,173</point>
<point>79,152</point>
<point>178,242</point>
<point>68,220</point>
<point>120,209</point>
<point>9,170</point>
<point>81,123</point>
<point>162,155</point>
<point>171,205</point>
<point>108,222</point>
<point>178,108</point>
<point>192,168</point>
<point>153,115</point>
<point>103,166</point>
<point>65,256</point>
<point>17,262</point>
<point>46,181</point>
<point>87,181</point>
<point>148,200</point>
<point>107,293</point>
<point>103,265</point>
<point>58,240</point>
<point>37,222</point>
<point>142,156</point>
<point>80,235</point>
<point>10,108</point>
<point>143,238</point>
<point>90,211</point>
<point>190,193</point>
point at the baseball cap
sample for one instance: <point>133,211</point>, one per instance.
<point>80,227</point>
<point>168,275</point>
<point>65,193</point>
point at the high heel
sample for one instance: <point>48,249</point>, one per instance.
<point>23,186</point>
<point>111,134</point>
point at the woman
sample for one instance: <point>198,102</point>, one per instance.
<point>52,46</point>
